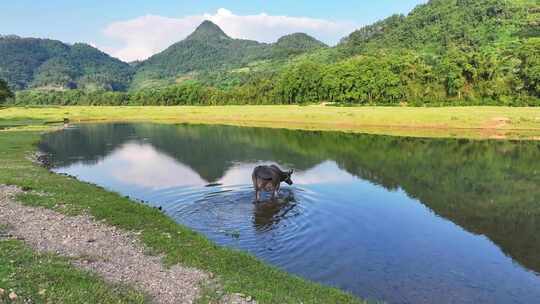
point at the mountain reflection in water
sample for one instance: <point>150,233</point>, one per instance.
<point>399,219</point>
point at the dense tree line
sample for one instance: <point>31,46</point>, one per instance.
<point>508,75</point>
<point>497,76</point>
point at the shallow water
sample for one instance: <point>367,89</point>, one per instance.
<point>396,219</point>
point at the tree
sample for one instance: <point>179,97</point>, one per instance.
<point>530,69</point>
<point>5,92</point>
<point>301,83</point>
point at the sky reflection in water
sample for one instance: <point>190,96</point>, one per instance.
<point>402,220</point>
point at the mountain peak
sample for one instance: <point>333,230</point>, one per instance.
<point>297,43</point>
<point>208,31</point>
<point>299,38</point>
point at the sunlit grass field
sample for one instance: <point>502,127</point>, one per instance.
<point>463,122</point>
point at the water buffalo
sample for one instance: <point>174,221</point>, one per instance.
<point>269,178</point>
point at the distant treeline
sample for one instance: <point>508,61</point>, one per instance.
<point>502,76</point>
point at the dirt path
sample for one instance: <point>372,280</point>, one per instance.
<point>115,255</point>
<point>494,128</point>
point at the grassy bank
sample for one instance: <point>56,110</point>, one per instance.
<point>462,122</point>
<point>237,271</point>
<point>46,278</point>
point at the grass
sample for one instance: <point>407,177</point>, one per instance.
<point>238,272</point>
<point>45,278</point>
<point>460,122</point>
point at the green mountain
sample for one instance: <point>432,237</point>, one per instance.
<point>444,52</point>
<point>208,48</point>
<point>459,51</point>
<point>440,24</point>
<point>296,44</point>
<point>44,63</point>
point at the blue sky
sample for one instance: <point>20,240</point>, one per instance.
<point>112,25</point>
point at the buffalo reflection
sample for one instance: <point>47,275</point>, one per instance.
<point>269,212</point>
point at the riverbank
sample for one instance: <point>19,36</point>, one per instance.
<point>448,122</point>
<point>236,272</point>
<point>87,243</point>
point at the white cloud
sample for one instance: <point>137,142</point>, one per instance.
<point>144,36</point>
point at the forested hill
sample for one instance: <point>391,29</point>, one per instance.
<point>443,52</point>
<point>440,24</point>
<point>37,63</point>
<point>208,48</point>
<point>295,44</point>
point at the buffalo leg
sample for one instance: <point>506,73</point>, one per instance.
<point>276,192</point>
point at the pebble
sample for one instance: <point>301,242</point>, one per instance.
<point>12,296</point>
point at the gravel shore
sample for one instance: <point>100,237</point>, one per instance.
<point>115,255</point>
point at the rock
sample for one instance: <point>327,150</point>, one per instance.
<point>12,296</point>
<point>2,291</point>
<point>248,298</point>
<point>42,292</point>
